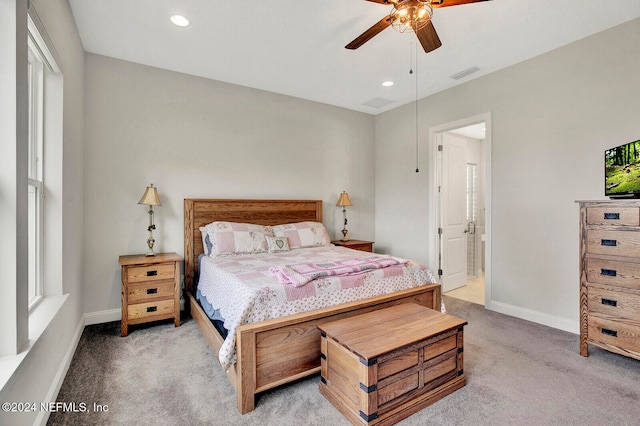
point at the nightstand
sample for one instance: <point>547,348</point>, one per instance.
<point>150,288</point>
<point>355,244</point>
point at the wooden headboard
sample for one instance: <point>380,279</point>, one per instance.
<point>199,212</point>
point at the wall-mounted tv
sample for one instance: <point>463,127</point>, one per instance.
<point>622,171</point>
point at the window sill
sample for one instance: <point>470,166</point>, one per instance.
<point>39,320</point>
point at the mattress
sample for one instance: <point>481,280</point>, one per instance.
<point>242,289</point>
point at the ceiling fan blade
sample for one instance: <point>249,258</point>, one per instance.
<point>370,33</point>
<point>428,38</point>
<point>445,3</point>
<point>384,1</point>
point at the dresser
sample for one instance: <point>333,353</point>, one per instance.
<point>150,289</point>
<point>610,276</point>
<point>355,244</point>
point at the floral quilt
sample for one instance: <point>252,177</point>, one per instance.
<point>244,290</point>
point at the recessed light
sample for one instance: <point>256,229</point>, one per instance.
<point>179,20</point>
<point>387,83</point>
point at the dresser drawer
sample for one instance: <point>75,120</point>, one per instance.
<point>141,312</point>
<point>150,272</point>
<point>615,304</point>
<point>620,216</point>
<point>150,290</point>
<point>614,333</point>
<point>615,243</point>
<point>613,272</point>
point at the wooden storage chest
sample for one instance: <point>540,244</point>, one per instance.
<point>383,366</point>
<point>610,276</point>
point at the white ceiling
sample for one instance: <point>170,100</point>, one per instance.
<point>296,47</point>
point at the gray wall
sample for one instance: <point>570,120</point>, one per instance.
<point>194,137</point>
<point>552,118</point>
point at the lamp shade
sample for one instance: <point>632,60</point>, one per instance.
<point>344,200</point>
<point>150,197</point>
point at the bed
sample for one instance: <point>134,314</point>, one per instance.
<point>276,351</point>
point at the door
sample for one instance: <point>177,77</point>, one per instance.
<point>454,212</point>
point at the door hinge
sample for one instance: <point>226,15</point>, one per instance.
<point>440,272</point>
<point>440,230</point>
<point>439,147</point>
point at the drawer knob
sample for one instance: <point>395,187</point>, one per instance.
<point>152,291</point>
<point>609,302</point>
<point>609,332</point>
<point>609,243</point>
<point>152,273</point>
<point>152,308</point>
<point>612,216</point>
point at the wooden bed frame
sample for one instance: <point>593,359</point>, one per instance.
<point>278,351</point>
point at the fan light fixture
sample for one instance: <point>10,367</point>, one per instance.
<point>411,15</point>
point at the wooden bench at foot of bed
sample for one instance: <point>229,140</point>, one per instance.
<point>278,351</point>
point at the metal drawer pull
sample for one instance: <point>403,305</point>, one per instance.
<point>152,291</point>
<point>608,272</point>
<point>152,273</point>
<point>610,243</point>
<point>609,332</point>
<point>612,216</point>
<point>155,308</point>
<point>609,302</point>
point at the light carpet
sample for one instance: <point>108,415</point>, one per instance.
<point>518,373</point>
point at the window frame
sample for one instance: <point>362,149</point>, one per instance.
<point>36,81</point>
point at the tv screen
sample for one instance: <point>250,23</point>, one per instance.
<point>622,171</point>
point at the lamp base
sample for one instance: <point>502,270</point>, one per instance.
<point>344,235</point>
<point>150,242</point>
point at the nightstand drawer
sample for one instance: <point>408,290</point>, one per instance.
<point>143,311</point>
<point>150,272</point>
<point>149,291</point>
<point>362,247</point>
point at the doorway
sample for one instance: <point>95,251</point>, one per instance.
<point>460,200</point>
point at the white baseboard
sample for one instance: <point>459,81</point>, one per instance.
<point>100,317</point>
<point>54,389</point>
<point>572,326</point>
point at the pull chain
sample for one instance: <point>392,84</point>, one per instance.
<point>416,50</point>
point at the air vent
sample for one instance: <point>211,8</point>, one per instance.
<point>377,102</point>
<point>465,73</point>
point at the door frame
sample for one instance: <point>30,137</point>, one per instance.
<point>434,199</point>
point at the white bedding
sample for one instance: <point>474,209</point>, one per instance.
<point>245,291</point>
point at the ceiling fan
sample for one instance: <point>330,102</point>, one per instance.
<point>409,15</point>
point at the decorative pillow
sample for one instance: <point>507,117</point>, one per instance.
<point>237,238</point>
<point>277,244</point>
<point>207,245</point>
<point>303,234</point>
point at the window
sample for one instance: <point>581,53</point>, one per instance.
<point>44,157</point>
<point>35,174</point>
